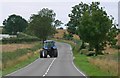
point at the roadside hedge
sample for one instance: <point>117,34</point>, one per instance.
<point>18,40</point>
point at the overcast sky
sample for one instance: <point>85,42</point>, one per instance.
<point>62,8</point>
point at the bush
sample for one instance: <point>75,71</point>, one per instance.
<point>18,40</point>
<point>116,46</point>
<point>23,35</point>
<point>84,51</point>
<point>87,52</point>
<point>91,53</point>
<point>68,36</point>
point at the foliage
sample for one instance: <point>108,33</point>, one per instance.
<point>61,28</point>
<point>57,23</point>
<point>119,30</point>
<point>116,47</point>
<point>71,29</point>
<point>18,40</point>
<point>14,24</point>
<point>85,19</point>
<point>24,35</point>
<point>68,36</point>
<point>111,36</point>
<point>21,38</point>
<point>41,24</point>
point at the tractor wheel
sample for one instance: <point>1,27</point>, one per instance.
<point>43,54</point>
<point>55,53</point>
<point>51,55</point>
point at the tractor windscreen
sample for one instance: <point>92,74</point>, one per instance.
<point>49,44</point>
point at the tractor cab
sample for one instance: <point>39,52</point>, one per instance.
<point>49,44</point>
<point>49,48</point>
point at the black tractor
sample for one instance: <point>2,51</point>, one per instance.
<point>49,48</point>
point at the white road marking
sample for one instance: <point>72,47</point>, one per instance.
<point>49,67</point>
<point>22,68</point>
<point>43,54</point>
<point>74,64</point>
<point>78,70</point>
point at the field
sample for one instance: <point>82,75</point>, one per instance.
<point>13,47</point>
<point>60,34</point>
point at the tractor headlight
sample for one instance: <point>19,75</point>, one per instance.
<point>54,47</point>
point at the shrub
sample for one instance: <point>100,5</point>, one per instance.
<point>23,35</point>
<point>18,40</point>
<point>87,52</point>
<point>68,36</point>
<point>84,51</point>
<point>116,46</point>
<point>91,53</point>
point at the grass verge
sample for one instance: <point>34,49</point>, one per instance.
<point>81,61</point>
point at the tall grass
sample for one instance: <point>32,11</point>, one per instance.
<point>22,63</point>
<point>7,56</point>
<point>110,66</point>
<point>11,58</point>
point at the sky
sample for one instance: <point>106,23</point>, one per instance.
<point>62,8</point>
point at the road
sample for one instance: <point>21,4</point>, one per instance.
<point>61,66</point>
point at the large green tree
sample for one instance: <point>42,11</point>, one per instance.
<point>93,25</point>
<point>14,24</point>
<point>41,24</point>
<point>75,15</point>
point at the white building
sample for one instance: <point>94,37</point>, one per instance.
<point>4,36</point>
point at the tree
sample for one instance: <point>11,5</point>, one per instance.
<point>41,24</point>
<point>71,29</point>
<point>74,18</point>
<point>57,23</point>
<point>111,36</point>
<point>14,24</point>
<point>92,24</point>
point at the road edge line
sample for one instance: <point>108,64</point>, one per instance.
<point>78,70</point>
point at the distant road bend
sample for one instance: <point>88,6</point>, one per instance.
<point>61,66</point>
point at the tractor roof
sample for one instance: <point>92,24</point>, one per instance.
<point>49,41</point>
